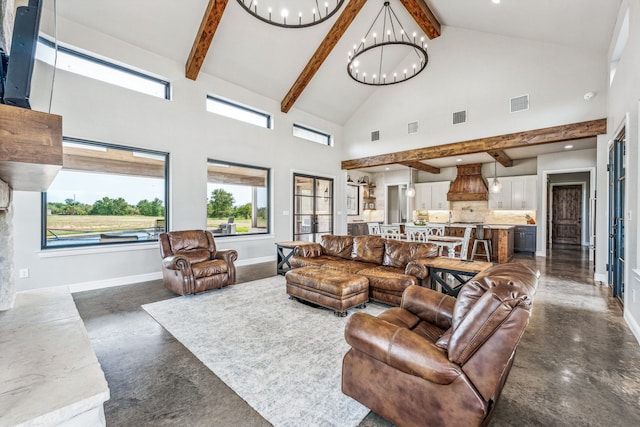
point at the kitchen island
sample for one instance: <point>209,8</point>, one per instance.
<point>502,238</point>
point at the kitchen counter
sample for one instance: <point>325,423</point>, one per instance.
<point>502,240</point>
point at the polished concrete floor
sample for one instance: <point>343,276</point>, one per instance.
<point>577,364</point>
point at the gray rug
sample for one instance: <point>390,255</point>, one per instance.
<point>284,358</point>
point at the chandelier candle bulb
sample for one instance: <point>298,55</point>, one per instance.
<point>380,57</point>
<point>315,17</point>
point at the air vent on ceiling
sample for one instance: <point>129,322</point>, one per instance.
<point>459,117</point>
<point>375,135</point>
<point>519,103</point>
<point>412,127</point>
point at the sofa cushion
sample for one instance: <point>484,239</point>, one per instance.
<point>396,253</point>
<point>348,266</point>
<point>368,249</point>
<point>339,246</point>
<point>209,268</point>
<point>188,240</point>
<point>317,261</point>
<point>388,278</point>
<point>423,250</point>
<point>521,279</point>
<point>195,255</point>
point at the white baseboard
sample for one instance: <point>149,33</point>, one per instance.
<point>258,260</point>
<point>116,281</point>
<point>128,280</point>
<point>600,277</point>
<point>633,325</point>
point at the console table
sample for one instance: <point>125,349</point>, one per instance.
<point>440,268</point>
<point>284,254</point>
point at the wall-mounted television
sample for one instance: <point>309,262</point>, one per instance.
<point>16,68</point>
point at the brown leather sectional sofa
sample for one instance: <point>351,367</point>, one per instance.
<point>390,265</point>
<point>437,360</point>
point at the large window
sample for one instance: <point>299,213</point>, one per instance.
<point>105,194</point>
<point>233,110</point>
<point>238,199</point>
<point>100,69</point>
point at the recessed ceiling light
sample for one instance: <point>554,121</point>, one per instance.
<point>495,1</point>
<point>568,147</point>
<point>387,169</point>
<point>458,160</point>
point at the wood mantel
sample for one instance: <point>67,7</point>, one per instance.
<point>30,148</point>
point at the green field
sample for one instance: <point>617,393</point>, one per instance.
<point>75,224</point>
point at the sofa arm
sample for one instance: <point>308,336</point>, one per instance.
<point>177,262</point>
<point>310,250</point>
<point>429,305</point>
<point>418,268</point>
<point>400,348</point>
<point>229,255</point>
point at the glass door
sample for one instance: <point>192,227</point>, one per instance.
<point>616,216</point>
<point>312,207</point>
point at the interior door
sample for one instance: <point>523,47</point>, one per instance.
<point>567,214</point>
<point>312,207</point>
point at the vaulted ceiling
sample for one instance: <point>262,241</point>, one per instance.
<point>274,61</point>
<point>267,60</point>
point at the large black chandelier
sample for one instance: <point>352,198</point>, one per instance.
<point>292,13</point>
<point>387,54</point>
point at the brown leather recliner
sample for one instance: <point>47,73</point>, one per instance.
<point>437,360</point>
<point>191,263</point>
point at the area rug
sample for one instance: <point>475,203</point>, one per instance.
<point>283,357</point>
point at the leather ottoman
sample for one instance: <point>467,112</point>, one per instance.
<point>332,289</point>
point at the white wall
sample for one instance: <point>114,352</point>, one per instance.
<point>622,107</point>
<point>98,111</point>
<point>480,72</point>
<point>566,162</point>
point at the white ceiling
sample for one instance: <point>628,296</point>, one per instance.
<point>266,59</point>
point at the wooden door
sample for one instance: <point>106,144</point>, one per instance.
<point>567,214</point>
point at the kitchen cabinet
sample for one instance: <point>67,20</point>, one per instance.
<point>432,196</point>
<point>518,192</point>
<point>501,200</point>
<point>524,239</point>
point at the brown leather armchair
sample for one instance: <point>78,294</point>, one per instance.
<point>191,263</point>
<point>437,360</point>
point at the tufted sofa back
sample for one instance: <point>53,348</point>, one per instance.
<point>375,249</point>
<point>489,318</point>
<point>195,245</point>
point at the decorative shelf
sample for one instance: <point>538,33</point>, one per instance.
<point>31,149</point>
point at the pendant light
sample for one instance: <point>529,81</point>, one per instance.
<point>496,186</point>
<point>411,191</point>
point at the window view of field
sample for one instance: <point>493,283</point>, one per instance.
<point>238,198</point>
<point>105,194</point>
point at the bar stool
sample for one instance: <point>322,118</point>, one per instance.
<point>486,242</point>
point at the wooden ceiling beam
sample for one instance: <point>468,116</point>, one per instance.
<point>322,52</point>
<point>204,36</point>
<point>423,16</point>
<point>501,142</point>
<point>423,167</point>
<point>501,157</point>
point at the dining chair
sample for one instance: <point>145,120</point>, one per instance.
<point>374,228</point>
<point>390,231</point>
<point>416,233</point>
<point>435,229</point>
